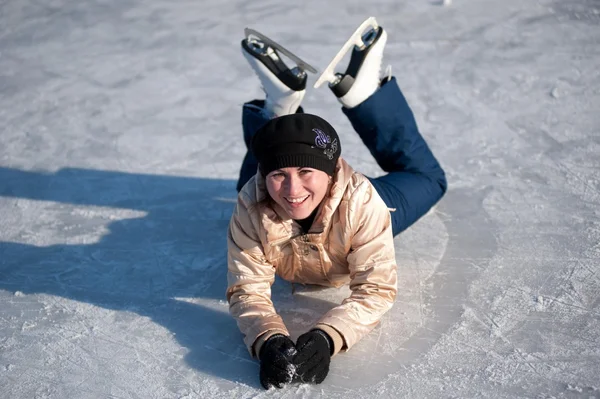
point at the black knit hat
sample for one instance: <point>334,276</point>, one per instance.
<point>296,140</point>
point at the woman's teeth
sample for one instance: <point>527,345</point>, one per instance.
<point>296,200</point>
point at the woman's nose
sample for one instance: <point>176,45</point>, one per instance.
<point>293,186</point>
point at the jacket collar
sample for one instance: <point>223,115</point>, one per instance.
<point>280,227</point>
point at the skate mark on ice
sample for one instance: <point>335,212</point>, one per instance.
<point>470,248</point>
<point>432,290</point>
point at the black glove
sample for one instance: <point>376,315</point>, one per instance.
<point>276,366</point>
<point>314,355</point>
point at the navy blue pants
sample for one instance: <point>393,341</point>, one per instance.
<point>414,181</point>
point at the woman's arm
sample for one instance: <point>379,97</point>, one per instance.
<point>249,280</point>
<point>372,266</point>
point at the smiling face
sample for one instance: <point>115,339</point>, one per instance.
<point>299,191</point>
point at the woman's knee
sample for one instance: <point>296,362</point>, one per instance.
<point>440,179</point>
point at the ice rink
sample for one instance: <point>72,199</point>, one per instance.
<point>120,143</point>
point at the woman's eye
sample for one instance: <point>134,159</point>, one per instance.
<point>305,171</point>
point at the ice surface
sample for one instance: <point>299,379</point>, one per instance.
<point>120,144</point>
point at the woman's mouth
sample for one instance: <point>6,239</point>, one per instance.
<point>296,202</point>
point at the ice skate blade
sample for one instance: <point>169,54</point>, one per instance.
<point>328,74</point>
<point>270,68</point>
<point>303,65</point>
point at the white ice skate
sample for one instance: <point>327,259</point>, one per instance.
<point>362,76</point>
<point>284,87</point>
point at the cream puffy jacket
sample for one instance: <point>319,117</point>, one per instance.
<point>350,242</point>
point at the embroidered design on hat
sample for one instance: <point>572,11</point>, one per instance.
<point>323,141</point>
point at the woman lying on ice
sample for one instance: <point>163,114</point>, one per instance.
<point>303,213</point>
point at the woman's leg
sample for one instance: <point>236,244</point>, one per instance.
<point>253,117</point>
<point>284,91</point>
<point>415,180</point>
<point>380,114</point>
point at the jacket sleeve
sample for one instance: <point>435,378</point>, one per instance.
<point>372,267</point>
<point>249,280</point>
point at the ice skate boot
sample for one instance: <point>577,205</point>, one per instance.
<point>362,76</point>
<point>284,87</point>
